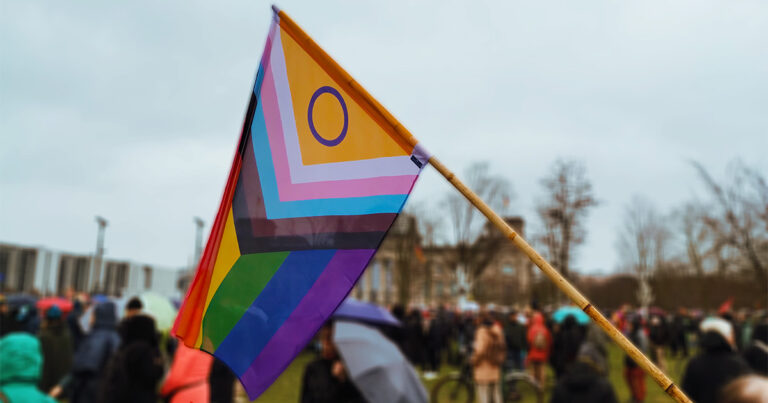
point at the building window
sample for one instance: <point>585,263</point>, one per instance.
<point>359,290</point>
<point>508,269</point>
<point>438,289</point>
<point>4,258</point>
<point>25,270</point>
<point>81,274</point>
<point>388,281</point>
<point>117,278</point>
<point>63,275</point>
<point>147,278</point>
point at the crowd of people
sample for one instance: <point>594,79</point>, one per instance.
<point>729,346</point>
<point>48,355</point>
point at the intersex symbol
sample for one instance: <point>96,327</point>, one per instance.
<point>338,139</point>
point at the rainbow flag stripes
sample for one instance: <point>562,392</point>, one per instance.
<point>318,178</point>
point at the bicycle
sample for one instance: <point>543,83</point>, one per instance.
<point>459,387</point>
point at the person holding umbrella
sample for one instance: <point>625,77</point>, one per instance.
<point>325,379</point>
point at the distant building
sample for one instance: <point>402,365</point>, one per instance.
<point>50,272</point>
<point>429,273</point>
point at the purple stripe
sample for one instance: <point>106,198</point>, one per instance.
<point>318,304</point>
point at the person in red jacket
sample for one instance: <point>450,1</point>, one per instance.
<point>539,346</point>
<point>187,380</point>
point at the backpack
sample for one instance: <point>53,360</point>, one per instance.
<point>540,340</point>
<point>116,382</point>
<point>497,351</point>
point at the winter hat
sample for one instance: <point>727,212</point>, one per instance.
<point>719,326</point>
<point>54,312</point>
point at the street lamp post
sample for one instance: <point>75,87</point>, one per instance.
<point>199,224</point>
<point>99,256</point>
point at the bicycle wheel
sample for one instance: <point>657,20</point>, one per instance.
<point>522,387</point>
<point>452,389</point>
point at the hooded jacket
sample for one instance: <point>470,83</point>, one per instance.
<point>93,353</point>
<point>712,369</point>
<point>537,326</point>
<point>20,369</point>
<point>187,379</point>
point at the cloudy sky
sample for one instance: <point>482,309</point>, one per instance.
<point>131,110</point>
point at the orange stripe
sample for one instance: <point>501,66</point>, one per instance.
<point>187,325</point>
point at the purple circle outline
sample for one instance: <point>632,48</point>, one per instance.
<point>318,137</point>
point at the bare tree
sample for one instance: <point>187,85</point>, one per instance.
<point>568,198</point>
<point>739,217</point>
<point>476,244</point>
<point>698,243</point>
<point>642,243</point>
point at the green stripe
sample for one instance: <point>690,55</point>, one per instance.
<point>237,291</point>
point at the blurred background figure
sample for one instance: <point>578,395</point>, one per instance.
<point>83,384</point>
<point>586,380</point>
<point>20,366</point>
<point>756,351</point>
<point>717,363</point>
<point>133,307</point>
<point>539,348</point>
<point>746,389</point>
<point>488,356</point>
<point>325,379</point>
<point>187,380</point>
<point>137,366</point>
<point>56,346</point>
<point>633,374</point>
<point>222,382</point>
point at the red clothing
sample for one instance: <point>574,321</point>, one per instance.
<point>635,378</point>
<point>536,327</point>
<point>188,377</point>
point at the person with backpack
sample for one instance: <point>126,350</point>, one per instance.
<point>490,351</point>
<point>539,348</point>
<point>136,368</point>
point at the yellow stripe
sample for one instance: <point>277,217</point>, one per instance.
<point>229,252</point>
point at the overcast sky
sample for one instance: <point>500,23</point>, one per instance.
<point>131,110</point>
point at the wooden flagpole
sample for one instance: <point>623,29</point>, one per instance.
<point>380,113</point>
<point>563,284</point>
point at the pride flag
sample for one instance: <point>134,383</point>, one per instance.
<point>318,178</point>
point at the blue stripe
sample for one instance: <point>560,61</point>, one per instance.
<point>308,208</point>
<point>272,307</point>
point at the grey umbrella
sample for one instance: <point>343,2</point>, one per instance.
<point>376,366</point>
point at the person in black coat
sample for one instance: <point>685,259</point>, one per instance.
<point>73,322</point>
<point>514,333</point>
<point>756,353</point>
<point>565,345</point>
<point>585,380</point>
<point>136,368</point>
<point>678,333</point>
<point>83,383</point>
<point>413,333</point>
<point>716,365</point>
<point>222,381</point>
<point>325,379</point>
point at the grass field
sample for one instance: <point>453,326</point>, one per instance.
<point>287,387</point>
